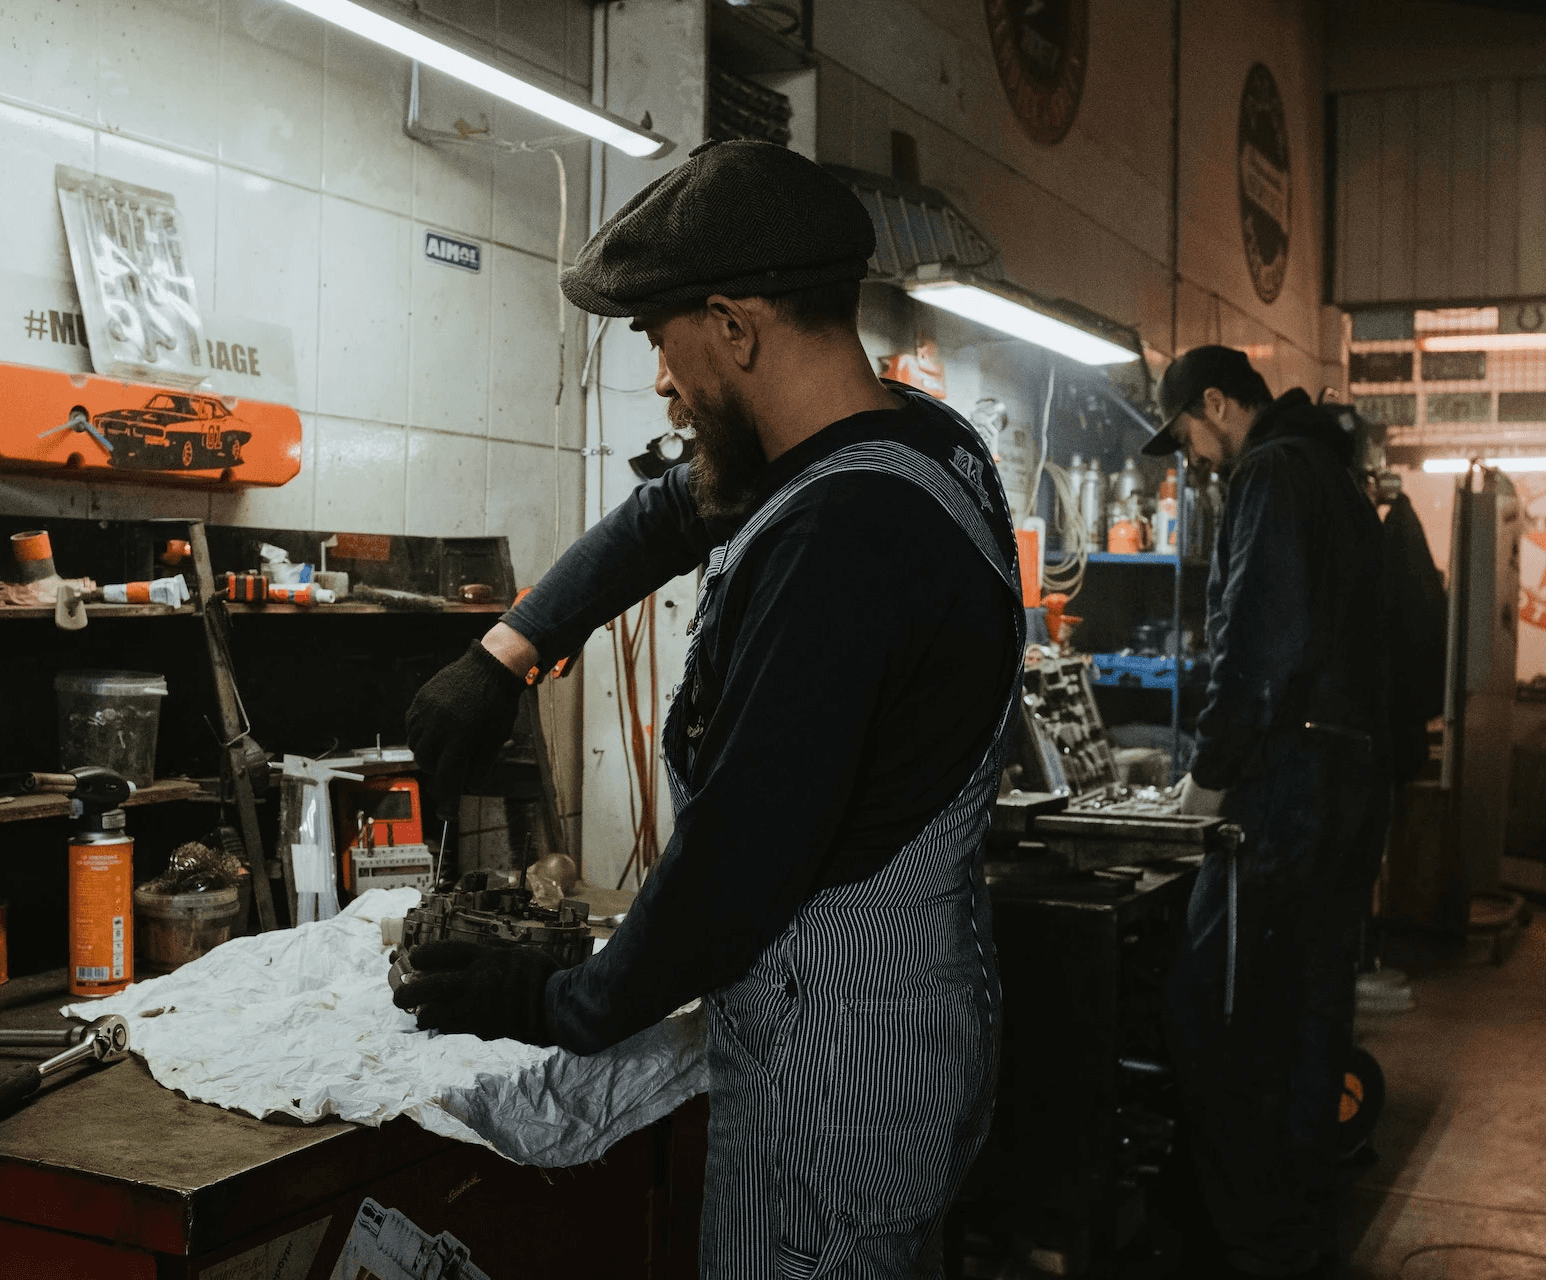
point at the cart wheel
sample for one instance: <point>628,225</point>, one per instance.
<point>1363,1097</point>
<point>187,453</point>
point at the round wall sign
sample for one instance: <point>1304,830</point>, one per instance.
<point>1041,48</point>
<point>1264,185</point>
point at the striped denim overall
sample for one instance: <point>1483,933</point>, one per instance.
<point>852,1067</point>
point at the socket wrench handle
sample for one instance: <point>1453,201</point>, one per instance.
<point>57,1038</point>
<point>105,1040</point>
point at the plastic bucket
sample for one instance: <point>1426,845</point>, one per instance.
<point>171,929</point>
<point>110,719</point>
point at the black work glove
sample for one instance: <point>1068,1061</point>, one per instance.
<point>459,719</point>
<point>467,988</point>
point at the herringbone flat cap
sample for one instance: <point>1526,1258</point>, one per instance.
<point>741,219</point>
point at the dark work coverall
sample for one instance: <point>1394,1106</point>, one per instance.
<point>833,751</point>
<point>1294,732</point>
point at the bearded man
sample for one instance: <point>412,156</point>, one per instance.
<point>834,748</point>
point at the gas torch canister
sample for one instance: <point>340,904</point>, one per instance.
<point>101,867</point>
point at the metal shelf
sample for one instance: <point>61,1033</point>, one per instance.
<point>113,612</point>
<point>104,611</point>
<point>345,608</point>
<point>162,791</point>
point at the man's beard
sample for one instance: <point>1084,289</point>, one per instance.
<point>727,458</point>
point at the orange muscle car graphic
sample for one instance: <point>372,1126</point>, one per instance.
<point>81,425</point>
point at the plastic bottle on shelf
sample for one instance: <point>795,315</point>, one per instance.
<point>1165,516</point>
<point>1129,486</point>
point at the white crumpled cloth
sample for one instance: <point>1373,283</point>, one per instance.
<point>300,1022</point>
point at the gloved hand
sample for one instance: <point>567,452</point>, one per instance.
<point>1198,801</point>
<point>460,718</point>
<point>467,988</point>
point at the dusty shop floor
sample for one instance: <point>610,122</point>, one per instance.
<point>1459,1189</point>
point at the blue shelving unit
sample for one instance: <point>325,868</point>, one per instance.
<point>1136,671</point>
<point>1122,557</point>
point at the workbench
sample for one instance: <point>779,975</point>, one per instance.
<point>106,1173</point>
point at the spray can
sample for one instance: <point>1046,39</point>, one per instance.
<point>1092,507</point>
<point>101,865</point>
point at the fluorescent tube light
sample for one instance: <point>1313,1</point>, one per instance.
<point>581,117</point>
<point>999,310</point>
<point>1455,466</point>
<point>1484,342</point>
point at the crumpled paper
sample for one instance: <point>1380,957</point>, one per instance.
<point>300,1022</point>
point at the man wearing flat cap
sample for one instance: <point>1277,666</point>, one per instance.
<point>833,750</point>
<point>1293,746</point>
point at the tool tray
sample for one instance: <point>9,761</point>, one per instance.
<point>1070,798</point>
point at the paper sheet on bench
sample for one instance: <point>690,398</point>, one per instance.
<point>301,1022</point>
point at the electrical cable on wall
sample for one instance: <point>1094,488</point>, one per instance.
<point>1067,576</point>
<point>554,755</point>
<point>638,736</point>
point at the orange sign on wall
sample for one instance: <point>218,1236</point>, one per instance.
<point>88,427</point>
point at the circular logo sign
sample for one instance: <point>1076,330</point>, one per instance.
<point>1264,187</point>
<point>1041,47</point>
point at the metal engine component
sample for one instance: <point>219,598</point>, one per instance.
<point>472,912</point>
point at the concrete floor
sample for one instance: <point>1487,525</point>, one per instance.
<point>1459,1189</point>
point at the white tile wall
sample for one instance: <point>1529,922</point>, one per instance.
<point>450,334</point>
<point>60,69</point>
<point>526,191</point>
<point>366,156</point>
<point>270,101</point>
<point>361,472</point>
<point>304,205</point>
<point>447,476</point>
<point>30,146</point>
<point>273,277</point>
<point>362,336</point>
<point>523,364</point>
<point>520,504</point>
<point>158,71</point>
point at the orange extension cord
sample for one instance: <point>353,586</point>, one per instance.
<point>638,735</point>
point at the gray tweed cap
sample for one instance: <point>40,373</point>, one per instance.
<point>741,219</point>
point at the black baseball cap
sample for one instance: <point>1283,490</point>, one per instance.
<point>1183,383</point>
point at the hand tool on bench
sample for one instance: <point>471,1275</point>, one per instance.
<point>105,1040</point>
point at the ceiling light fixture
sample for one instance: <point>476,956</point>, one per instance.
<point>1484,342</point>
<point>1007,309</point>
<point>1456,466</point>
<point>434,52</point>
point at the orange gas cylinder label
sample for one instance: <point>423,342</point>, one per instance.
<point>101,917</point>
<point>79,425</point>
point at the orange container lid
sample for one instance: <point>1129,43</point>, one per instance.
<point>30,546</point>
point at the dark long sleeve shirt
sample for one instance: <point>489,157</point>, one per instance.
<point>849,688</point>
